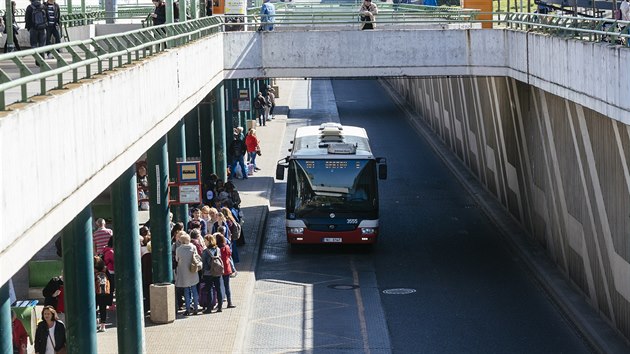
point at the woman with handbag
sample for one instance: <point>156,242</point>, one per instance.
<point>253,148</point>
<point>50,336</point>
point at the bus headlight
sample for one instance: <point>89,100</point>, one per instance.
<point>296,230</point>
<point>368,231</point>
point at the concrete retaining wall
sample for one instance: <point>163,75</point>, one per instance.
<point>559,168</point>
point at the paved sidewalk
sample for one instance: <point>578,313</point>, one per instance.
<point>198,334</point>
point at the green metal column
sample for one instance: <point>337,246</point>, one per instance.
<point>231,115</point>
<point>9,24</point>
<point>157,166</point>
<point>78,266</point>
<point>218,120</point>
<point>6,334</point>
<point>182,10</point>
<point>69,6</point>
<point>127,258</point>
<point>207,137</point>
<point>177,152</point>
<point>242,85</point>
<point>169,12</point>
<point>192,134</point>
<point>193,9</point>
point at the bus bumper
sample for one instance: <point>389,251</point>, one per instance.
<point>316,237</point>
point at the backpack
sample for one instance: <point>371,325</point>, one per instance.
<point>101,283</point>
<point>39,16</point>
<point>216,264</point>
<point>257,104</point>
<point>195,264</point>
<point>235,231</point>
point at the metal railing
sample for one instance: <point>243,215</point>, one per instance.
<point>77,60</point>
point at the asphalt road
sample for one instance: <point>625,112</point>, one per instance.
<point>472,293</point>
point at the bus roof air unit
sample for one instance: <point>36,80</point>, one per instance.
<point>342,148</point>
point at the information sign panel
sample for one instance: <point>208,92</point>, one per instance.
<point>190,194</point>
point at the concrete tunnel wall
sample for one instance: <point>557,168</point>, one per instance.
<point>559,168</point>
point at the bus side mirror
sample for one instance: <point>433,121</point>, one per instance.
<point>382,167</point>
<point>382,171</point>
<point>279,172</point>
<point>282,164</point>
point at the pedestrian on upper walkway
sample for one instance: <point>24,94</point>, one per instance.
<point>36,22</point>
<point>267,16</point>
<point>159,13</point>
<point>53,15</point>
<point>368,12</point>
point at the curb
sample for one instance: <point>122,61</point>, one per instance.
<point>594,329</point>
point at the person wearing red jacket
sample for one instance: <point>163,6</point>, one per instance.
<point>19,335</point>
<point>251,141</point>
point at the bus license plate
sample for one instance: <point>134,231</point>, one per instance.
<point>331,239</point>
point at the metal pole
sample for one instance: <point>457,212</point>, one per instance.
<point>218,119</point>
<point>111,8</point>
<point>6,333</point>
<point>9,26</point>
<point>157,165</point>
<point>127,258</point>
<point>205,131</point>
<point>182,10</point>
<point>177,151</point>
<point>78,265</point>
<point>193,9</point>
<point>192,133</point>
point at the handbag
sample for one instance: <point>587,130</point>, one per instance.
<point>258,151</point>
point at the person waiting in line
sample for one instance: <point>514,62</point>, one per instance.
<point>108,258</point>
<point>196,219</point>
<point>16,28</point>
<point>50,335</point>
<point>54,23</point>
<point>226,255</point>
<point>267,16</point>
<point>102,287</point>
<point>368,12</point>
<point>19,335</point>
<point>212,283</point>
<point>184,278</point>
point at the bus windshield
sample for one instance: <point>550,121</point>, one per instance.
<point>322,186</point>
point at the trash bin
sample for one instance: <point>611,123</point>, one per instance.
<point>162,303</point>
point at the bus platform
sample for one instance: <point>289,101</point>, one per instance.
<point>223,332</point>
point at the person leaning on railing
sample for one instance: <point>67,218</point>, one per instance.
<point>368,11</point>
<point>267,16</point>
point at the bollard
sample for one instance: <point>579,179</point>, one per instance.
<point>162,303</point>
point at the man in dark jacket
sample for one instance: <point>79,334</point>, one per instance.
<point>37,31</point>
<point>237,151</point>
<point>53,15</point>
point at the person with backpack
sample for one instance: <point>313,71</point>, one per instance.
<point>212,271</point>
<point>36,22</point>
<point>53,17</point>
<point>259,106</point>
<point>237,151</point>
<point>102,286</point>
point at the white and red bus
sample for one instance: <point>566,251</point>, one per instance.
<point>332,186</point>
